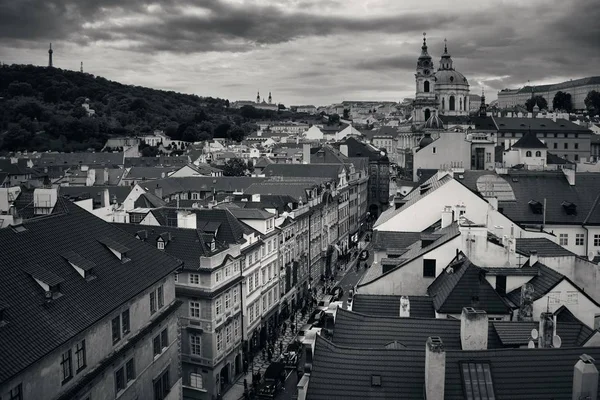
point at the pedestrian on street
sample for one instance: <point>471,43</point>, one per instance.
<point>264,352</point>
<point>284,328</point>
<point>269,355</point>
<point>245,385</point>
<point>281,347</point>
<point>245,367</point>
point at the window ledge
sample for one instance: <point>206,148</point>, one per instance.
<point>195,388</point>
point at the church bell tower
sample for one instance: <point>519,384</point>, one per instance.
<point>425,102</point>
<point>50,56</point>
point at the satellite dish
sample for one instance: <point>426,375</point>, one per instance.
<point>556,341</point>
<point>531,345</point>
<point>534,334</point>
<point>591,256</point>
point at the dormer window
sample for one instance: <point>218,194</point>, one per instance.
<point>570,208</point>
<point>47,280</point>
<point>213,245</point>
<point>160,245</point>
<point>116,248</point>
<point>536,207</point>
<point>83,266</point>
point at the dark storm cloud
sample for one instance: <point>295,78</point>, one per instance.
<point>387,63</point>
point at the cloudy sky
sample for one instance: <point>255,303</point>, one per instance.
<point>304,51</point>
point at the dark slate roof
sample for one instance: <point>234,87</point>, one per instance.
<point>389,305</point>
<point>552,186</point>
<point>384,240</point>
<point>24,204</point>
<point>538,125</point>
<point>508,271</point>
<point>553,159</point>
<point>250,213</point>
<point>479,123</point>
<point>297,190</point>
<point>165,161</point>
<point>529,141</point>
<point>281,203</point>
<point>518,374</point>
<point>544,247</point>
<point>76,193</point>
<point>322,170</point>
<point>10,168</point>
<point>150,172</point>
<point>230,230</point>
<point>34,329</point>
<point>345,373</point>
<point>228,184</point>
<point>263,162</point>
<point>457,286</point>
<point>149,200</point>
<point>67,159</point>
<point>356,148</point>
<point>543,283</point>
<point>187,245</point>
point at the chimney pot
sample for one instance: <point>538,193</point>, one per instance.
<point>473,329</point>
<point>435,369</point>
<point>404,307</point>
<point>585,379</point>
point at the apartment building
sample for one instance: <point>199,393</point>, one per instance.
<point>87,307</point>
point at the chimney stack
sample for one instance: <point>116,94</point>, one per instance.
<point>533,257</point>
<point>404,307</point>
<point>585,379</point>
<point>473,329</point>
<point>306,153</point>
<point>447,216</point>
<point>344,149</point>
<point>546,330</point>
<point>435,369</point>
<point>158,192</point>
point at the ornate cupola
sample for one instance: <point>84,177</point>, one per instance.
<point>424,61</point>
<point>446,60</point>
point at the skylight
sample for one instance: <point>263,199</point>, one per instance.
<point>477,381</point>
<point>375,380</point>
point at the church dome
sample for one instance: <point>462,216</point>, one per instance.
<point>425,141</point>
<point>434,122</point>
<point>450,77</point>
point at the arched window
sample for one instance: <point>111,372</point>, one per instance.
<point>528,154</point>
<point>460,104</point>
<point>443,103</point>
<point>427,114</point>
<point>538,153</point>
<point>426,86</point>
<point>465,103</point>
<point>452,105</point>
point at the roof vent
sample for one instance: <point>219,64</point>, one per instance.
<point>142,235</point>
<point>18,228</point>
<point>570,208</point>
<point>84,267</point>
<point>116,248</point>
<point>376,380</point>
<point>47,280</point>
<point>536,206</point>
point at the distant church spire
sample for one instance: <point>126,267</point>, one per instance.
<point>482,106</point>
<point>270,98</point>
<point>446,61</point>
<point>50,56</point>
<point>81,68</point>
<point>258,97</point>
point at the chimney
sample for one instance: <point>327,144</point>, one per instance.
<point>585,379</point>
<point>473,329</point>
<point>546,330</point>
<point>105,198</point>
<point>533,257</point>
<point>404,307</point>
<point>570,174</point>
<point>306,153</point>
<point>186,219</point>
<point>158,191</point>
<point>435,368</point>
<point>447,216</point>
<point>344,149</point>
<point>526,303</point>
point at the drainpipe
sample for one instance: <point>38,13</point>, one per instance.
<point>587,238</point>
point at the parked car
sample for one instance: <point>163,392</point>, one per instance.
<point>274,380</point>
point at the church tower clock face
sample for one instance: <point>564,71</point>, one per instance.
<point>426,72</point>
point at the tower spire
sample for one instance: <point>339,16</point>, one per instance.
<point>258,97</point>
<point>482,106</point>
<point>445,45</point>
<point>81,68</point>
<point>50,56</point>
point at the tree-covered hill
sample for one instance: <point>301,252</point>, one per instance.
<point>41,109</point>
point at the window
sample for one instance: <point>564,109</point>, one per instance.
<point>218,306</point>
<point>161,296</point>
<point>220,340</point>
<point>251,313</point>
<point>596,240</point>
<point>477,381</point>
<point>120,379</point>
<point>227,300</point>
<point>194,279</point>
<point>563,239</point>
<point>176,277</point>
<point>576,145</point>
<point>195,196</point>
<point>116,329</point>
<point>538,153</point>
<point>250,284</point>
<point>160,245</point>
<point>269,298</point>
<point>264,275</point>
<point>235,295</point>
<point>228,334</point>
<point>66,366</point>
<point>162,386</point>
<point>160,342</point>
<point>125,322</point>
<point>80,355</point>
<point>196,344</point>
<point>264,301</point>
<point>554,298</point>
<point>152,302</point>
<point>566,145</point>
<point>236,327</point>
<point>16,393</point>
<point>227,271</point>
<point>194,309</point>
<point>555,145</point>
<point>426,87</point>
<point>217,276</point>
<point>576,157</point>
<point>196,380</point>
<point>488,157</point>
<point>256,277</point>
<point>579,239</point>
<point>428,268</point>
<point>572,297</point>
<point>528,154</point>
<point>433,150</point>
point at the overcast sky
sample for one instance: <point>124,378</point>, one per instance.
<point>305,51</point>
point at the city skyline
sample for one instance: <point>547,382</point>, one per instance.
<point>304,51</point>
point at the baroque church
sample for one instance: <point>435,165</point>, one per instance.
<point>443,92</point>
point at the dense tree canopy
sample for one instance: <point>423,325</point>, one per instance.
<point>41,109</point>
<point>539,100</point>
<point>562,101</point>
<point>592,102</point>
<point>235,167</point>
